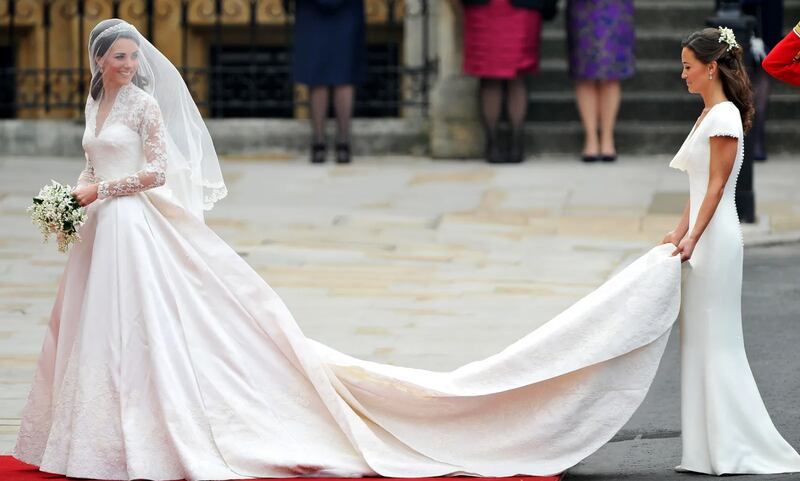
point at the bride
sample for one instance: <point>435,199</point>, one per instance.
<point>168,357</point>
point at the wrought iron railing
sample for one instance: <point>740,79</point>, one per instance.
<point>235,55</point>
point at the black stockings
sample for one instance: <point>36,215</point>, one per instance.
<point>343,98</point>
<point>492,102</point>
<point>491,99</point>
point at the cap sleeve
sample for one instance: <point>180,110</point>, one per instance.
<point>725,121</point>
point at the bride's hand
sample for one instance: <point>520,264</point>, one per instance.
<point>685,248</point>
<point>86,194</point>
<point>671,238</point>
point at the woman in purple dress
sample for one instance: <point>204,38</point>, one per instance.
<point>600,36</point>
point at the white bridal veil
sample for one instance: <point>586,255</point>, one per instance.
<point>194,178</point>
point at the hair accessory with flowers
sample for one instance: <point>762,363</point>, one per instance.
<point>726,35</point>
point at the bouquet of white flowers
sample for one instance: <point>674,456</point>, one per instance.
<point>56,211</point>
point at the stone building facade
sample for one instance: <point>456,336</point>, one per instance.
<point>234,54</point>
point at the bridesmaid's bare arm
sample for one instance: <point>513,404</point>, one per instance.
<point>676,235</point>
<point>723,155</point>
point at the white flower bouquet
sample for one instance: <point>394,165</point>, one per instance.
<point>56,211</point>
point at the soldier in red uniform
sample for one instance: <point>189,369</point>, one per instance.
<point>783,62</point>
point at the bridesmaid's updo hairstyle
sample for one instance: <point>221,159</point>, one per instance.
<point>101,44</point>
<point>707,47</point>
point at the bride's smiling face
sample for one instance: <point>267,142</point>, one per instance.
<point>120,63</point>
<point>694,72</point>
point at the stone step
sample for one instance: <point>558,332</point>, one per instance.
<point>648,106</point>
<point>269,138</point>
<point>650,45</point>
<point>651,76</point>
<point>282,139</point>
<point>687,14</point>
<point>640,137</point>
<point>651,14</point>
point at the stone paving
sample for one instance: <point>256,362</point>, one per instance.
<point>400,260</point>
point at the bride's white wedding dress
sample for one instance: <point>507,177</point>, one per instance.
<point>725,427</point>
<point>167,357</point>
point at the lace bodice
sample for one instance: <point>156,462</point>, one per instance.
<point>127,153</point>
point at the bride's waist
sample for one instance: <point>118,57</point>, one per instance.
<point>110,164</point>
<point>117,172</point>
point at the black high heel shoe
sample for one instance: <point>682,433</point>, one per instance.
<point>493,153</point>
<point>342,153</point>
<point>516,154</point>
<point>318,153</point>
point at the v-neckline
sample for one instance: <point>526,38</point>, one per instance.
<point>679,162</point>
<point>98,129</point>
<point>699,120</point>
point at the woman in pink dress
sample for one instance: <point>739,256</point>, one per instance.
<point>501,44</point>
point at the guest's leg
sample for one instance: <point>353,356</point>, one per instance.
<point>586,96</point>
<point>343,98</point>
<point>491,93</point>
<point>517,108</point>
<point>319,101</point>
<point>610,97</point>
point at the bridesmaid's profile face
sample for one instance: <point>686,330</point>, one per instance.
<point>120,63</point>
<point>694,72</point>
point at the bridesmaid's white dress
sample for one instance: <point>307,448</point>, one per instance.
<point>725,427</point>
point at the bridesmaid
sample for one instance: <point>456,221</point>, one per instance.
<point>600,38</point>
<point>725,426</point>
<point>330,55</point>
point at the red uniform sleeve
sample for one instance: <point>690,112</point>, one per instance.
<point>783,61</point>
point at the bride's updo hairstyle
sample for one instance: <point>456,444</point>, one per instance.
<point>102,37</point>
<point>708,46</point>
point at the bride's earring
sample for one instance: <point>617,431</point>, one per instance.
<point>710,77</point>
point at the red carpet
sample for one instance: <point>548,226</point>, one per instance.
<point>13,470</point>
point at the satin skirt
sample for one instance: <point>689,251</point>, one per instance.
<point>168,357</point>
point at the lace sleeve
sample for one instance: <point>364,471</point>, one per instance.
<point>154,144</point>
<point>87,175</point>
